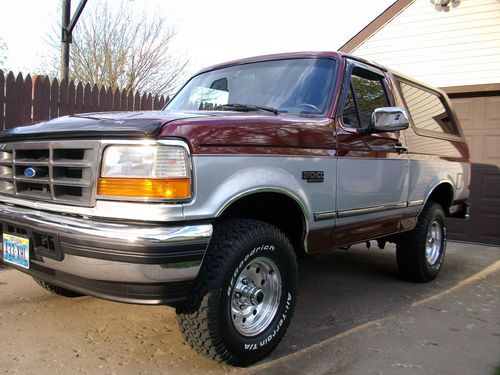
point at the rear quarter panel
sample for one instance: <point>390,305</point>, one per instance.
<point>434,159</point>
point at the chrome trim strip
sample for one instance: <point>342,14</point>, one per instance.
<point>370,210</point>
<point>146,142</point>
<point>107,209</point>
<point>85,228</point>
<point>325,215</point>
<point>265,155</point>
<point>417,202</point>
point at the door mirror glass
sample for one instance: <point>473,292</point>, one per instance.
<point>388,119</point>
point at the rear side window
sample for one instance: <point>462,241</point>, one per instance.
<point>427,110</point>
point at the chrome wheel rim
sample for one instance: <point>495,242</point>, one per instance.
<point>433,244</point>
<point>256,296</point>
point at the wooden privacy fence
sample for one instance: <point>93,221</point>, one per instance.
<point>25,100</point>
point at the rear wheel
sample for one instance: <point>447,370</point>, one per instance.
<point>420,252</point>
<point>57,289</point>
<point>245,296</point>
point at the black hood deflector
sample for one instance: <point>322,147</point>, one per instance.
<point>103,125</point>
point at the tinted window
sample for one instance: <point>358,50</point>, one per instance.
<point>350,114</point>
<point>299,86</point>
<point>427,110</point>
<point>369,93</point>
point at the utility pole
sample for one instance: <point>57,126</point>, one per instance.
<point>67,26</point>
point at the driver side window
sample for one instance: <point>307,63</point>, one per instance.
<point>366,93</point>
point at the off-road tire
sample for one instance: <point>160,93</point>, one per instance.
<point>206,319</point>
<point>57,289</point>
<point>412,260</point>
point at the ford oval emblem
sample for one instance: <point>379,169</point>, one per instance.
<point>30,172</point>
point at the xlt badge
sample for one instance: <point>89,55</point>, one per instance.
<point>313,176</point>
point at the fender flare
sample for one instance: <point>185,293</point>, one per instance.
<point>433,189</point>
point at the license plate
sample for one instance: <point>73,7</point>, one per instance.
<point>16,250</point>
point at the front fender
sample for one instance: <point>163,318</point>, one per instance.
<point>222,180</point>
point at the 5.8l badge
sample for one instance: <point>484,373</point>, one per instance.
<point>313,176</point>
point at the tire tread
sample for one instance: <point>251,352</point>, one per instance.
<point>411,263</point>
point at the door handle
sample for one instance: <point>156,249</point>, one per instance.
<point>400,148</point>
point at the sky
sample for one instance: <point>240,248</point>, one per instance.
<point>208,32</point>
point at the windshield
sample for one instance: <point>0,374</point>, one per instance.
<point>296,86</point>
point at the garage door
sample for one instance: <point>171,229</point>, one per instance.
<point>480,120</point>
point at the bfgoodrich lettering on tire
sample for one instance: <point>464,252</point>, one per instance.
<point>245,295</point>
<point>420,252</point>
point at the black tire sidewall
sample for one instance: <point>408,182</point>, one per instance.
<point>248,348</point>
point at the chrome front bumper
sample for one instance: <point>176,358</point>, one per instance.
<point>109,259</point>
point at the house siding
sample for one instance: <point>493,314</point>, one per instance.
<point>457,47</point>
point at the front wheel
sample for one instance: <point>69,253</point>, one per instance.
<point>245,296</point>
<point>420,252</point>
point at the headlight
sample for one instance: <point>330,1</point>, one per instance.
<point>152,171</point>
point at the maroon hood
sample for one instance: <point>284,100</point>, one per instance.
<point>203,130</point>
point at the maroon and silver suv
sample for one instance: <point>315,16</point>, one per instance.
<point>205,205</point>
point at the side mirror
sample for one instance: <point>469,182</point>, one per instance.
<point>388,119</point>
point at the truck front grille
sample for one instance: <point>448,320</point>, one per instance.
<point>59,171</point>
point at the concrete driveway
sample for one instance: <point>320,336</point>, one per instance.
<point>354,315</point>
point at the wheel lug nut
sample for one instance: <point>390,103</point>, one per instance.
<point>244,281</point>
<point>237,295</point>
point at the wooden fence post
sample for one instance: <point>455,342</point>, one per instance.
<point>10,101</point>
<point>79,106</point>
<point>71,98</point>
<point>123,100</point>
<point>54,99</point>
<point>156,102</point>
<point>130,101</point>
<point>2,100</point>
<point>63,97</point>
<point>144,102</point>
<point>137,101</point>
<point>116,100</point>
<point>109,99</point>
<point>41,98</point>
<point>87,99</point>
<point>102,99</point>
<point>26,100</point>
<point>95,99</point>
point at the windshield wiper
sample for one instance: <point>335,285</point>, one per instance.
<point>245,108</point>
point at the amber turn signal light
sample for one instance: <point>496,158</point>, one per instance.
<point>175,188</point>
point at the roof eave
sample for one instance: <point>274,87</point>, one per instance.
<point>385,17</point>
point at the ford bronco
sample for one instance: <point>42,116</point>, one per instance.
<point>206,204</point>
